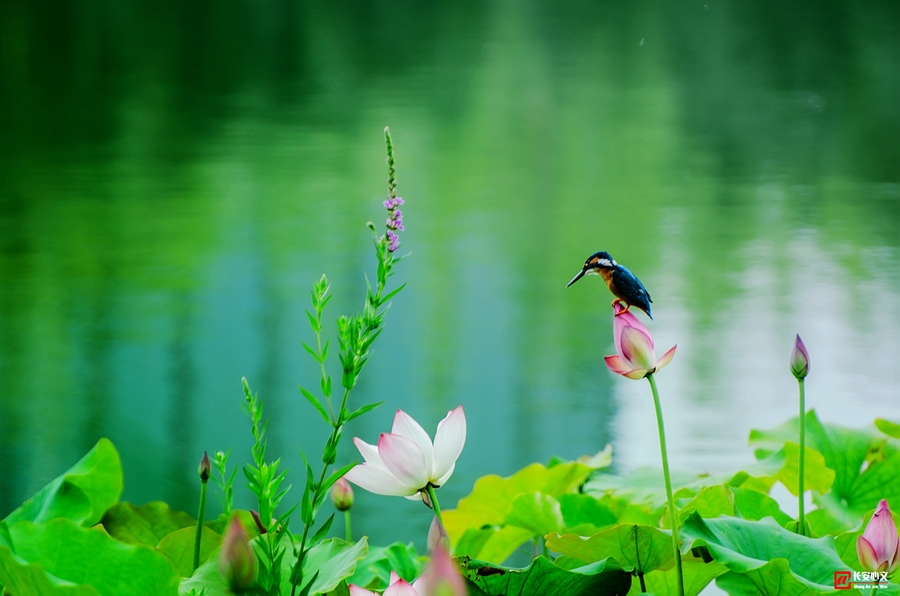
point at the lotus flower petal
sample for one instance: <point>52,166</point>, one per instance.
<point>404,460</point>
<point>638,373</point>
<point>666,358</point>
<point>378,480</point>
<point>399,587</point>
<point>868,558</point>
<point>369,453</point>
<point>616,364</point>
<point>405,426</point>
<point>448,444</point>
<point>637,347</point>
<point>443,479</point>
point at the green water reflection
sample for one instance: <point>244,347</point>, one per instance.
<point>174,176</point>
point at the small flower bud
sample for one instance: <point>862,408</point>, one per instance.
<point>237,561</point>
<point>204,468</point>
<point>437,535</point>
<point>799,359</point>
<point>342,495</point>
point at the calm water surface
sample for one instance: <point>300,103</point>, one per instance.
<point>174,178</point>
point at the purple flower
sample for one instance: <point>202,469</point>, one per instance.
<point>394,222</point>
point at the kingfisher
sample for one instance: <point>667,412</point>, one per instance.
<point>624,284</point>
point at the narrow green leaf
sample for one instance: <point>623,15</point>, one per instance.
<point>316,404</point>
<point>321,532</point>
<point>361,411</point>
<point>311,351</point>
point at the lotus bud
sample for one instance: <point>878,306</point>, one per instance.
<point>237,561</point>
<point>799,359</point>
<point>204,468</point>
<point>342,495</point>
<point>879,547</point>
<point>437,535</point>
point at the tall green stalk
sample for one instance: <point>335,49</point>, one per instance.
<point>673,516</point>
<point>802,521</point>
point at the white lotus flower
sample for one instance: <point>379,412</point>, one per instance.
<point>405,461</point>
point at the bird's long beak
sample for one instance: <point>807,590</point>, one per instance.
<point>576,278</point>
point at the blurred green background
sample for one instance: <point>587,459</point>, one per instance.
<point>175,175</point>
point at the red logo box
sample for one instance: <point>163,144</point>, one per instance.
<point>842,580</point>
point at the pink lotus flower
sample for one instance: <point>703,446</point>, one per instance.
<point>405,462</point>
<point>879,547</point>
<point>441,578</point>
<point>636,357</point>
<point>398,587</point>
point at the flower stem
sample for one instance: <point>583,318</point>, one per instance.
<point>673,517</point>
<point>348,533</point>
<point>434,504</point>
<point>199,525</point>
<point>802,382</point>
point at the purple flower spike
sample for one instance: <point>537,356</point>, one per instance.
<point>394,222</point>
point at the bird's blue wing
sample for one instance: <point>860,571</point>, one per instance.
<point>631,286</point>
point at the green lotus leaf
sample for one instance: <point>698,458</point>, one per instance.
<point>638,548</point>
<point>29,579</point>
<point>85,556</point>
<point>866,464</point>
<point>777,561</point>
<point>603,578</point>
<point>334,559</point>
<point>82,494</point>
<point>476,526</point>
<point>539,513</point>
<point>178,547</point>
<point>145,524</point>
<point>754,505</point>
<point>696,573</point>
<point>584,514</point>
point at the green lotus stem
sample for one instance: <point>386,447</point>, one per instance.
<point>348,533</point>
<point>434,504</point>
<point>199,525</point>
<point>802,382</point>
<point>673,517</point>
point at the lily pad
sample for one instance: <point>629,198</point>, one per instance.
<point>638,548</point>
<point>697,575</point>
<point>604,578</point>
<point>82,494</point>
<point>145,524</point>
<point>84,556</point>
<point>775,560</point>
<point>477,526</point>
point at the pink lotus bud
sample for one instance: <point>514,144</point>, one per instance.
<point>237,561</point>
<point>799,359</point>
<point>878,546</point>
<point>204,468</point>
<point>635,357</point>
<point>437,535</point>
<point>441,577</point>
<point>342,495</point>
